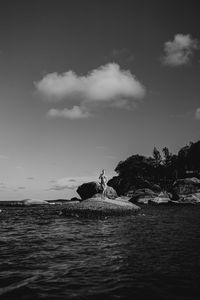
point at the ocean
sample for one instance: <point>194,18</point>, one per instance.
<point>154,254</point>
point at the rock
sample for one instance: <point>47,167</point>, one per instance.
<point>174,195</point>
<point>162,198</point>
<point>75,199</point>
<point>142,199</point>
<point>147,196</point>
<point>186,186</point>
<point>197,195</point>
<point>88,190</point>
<point>130,193</point>
<point>143,196</point>
<point>187,199</point>
<point>123,198</point>
<point>190,199</point>
<point>156,188</point>
<point>96,207</point>
<point>111,193</point>
<point>117,184</point>
<point>128,185</point>
<point>28,202</point>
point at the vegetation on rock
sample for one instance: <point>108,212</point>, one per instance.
<point>157,171</point>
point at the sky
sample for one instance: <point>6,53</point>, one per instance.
<point>85,84</point>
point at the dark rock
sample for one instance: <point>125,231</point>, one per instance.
<point>174,195</point>
<point>147,192</point>
<point>143,196</point>
<point>156,188</point>
<point>193,198</point>
<point>117,183</point>
<point>127,186</point>
<point>186,186</point>
<point>75,199</point>
<point>88,190</point>
<point>130,193</point>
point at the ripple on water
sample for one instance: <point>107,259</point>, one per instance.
<point>154,254</point>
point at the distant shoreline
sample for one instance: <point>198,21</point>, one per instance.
<point>14,203</point>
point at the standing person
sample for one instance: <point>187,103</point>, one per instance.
<point>103,182</point>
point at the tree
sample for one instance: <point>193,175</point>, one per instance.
<point>156,156</point>
<point>135,166</point>
<point>167,157</point>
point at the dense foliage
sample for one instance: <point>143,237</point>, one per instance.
<point>162,170</point>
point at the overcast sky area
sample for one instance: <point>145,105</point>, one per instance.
<point>85,84</point>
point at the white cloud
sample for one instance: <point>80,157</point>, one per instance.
<point>74,113</point>
<point>197,113</point>
<point>179,51</point>
<point>107,86</point>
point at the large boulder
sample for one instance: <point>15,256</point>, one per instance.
<point>99,207</point>
<point>186,186</point>
<point>118,184</point>
<point>89,189</point>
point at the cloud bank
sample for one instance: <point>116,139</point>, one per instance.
<point>179,51</point>
<point>75,112</point>
<point>107,86</point>
<point>70,183</point>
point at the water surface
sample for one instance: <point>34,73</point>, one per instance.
<point>154,254</point>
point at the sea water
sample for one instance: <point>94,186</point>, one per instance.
<point>154,254</point>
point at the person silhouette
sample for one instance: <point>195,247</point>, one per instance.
<point>103,182</point>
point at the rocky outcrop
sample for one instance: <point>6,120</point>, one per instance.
<point>188,199</point>
<point>186,191</point>
<point>147,196</point>
<point>128,185</point>
<point>143,196</point>
<point>99,207</point>
<point>186,186</point>
<point>89,189</point>
<point>162,198</point>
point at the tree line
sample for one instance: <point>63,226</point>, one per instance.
<point>162,168</point>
